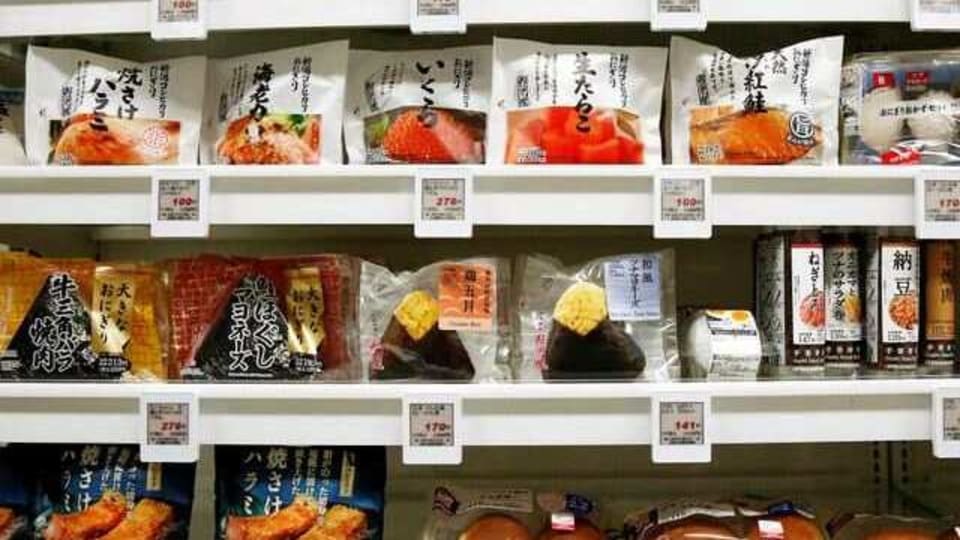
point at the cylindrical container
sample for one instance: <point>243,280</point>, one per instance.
<point>893,303</point>
<point>844,304</point>
<point>938,350</point>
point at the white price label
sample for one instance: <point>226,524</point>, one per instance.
<point>682,205</point>
<point>669,15</point>
<point>432,430</point>
<point>180,203</point>
<point>681,428</point>
<point>169,423</point>
<point>178,19</point>
<point>946,423</point>
<point>937,205</point>
<point>935,15</point>
<point>438,17</point>
<point>443,203</point>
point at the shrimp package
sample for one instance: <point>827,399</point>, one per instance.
<point>106,492</point>
<point>302,493</point>
<point>775,108</point>
<point>88,109</point>
<point>582,104</point>
<point>280,108</point>
<point>427,106</point>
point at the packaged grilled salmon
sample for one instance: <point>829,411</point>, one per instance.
<point>268,319</point>
<point>775,108</point>
<point>106,492</point>
<point>445,321</point>
<point>279,108</point>
<point>300,493</point>
<point>11,127</point>
<point>16,495</point>
<point>84,108</point>
<point>78,319</point>
<point>555,104</point>
<point>425,106</point>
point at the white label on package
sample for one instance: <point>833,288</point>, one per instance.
<point>681,428</point>
<point>937,205</point>
<point>431,427</point>
<point>946,422</point>
<point>169,427</point>
<point>678,15</point>
<point>437,17</point>
<point>935,15</point>
<point>633,288</point>
<point>180,203</point>
<point>177,19</point>
<point>682,205</point>
<point>443,204</point>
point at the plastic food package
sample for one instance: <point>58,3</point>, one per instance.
<point>843,288</point>
<point>280,107</point>
<point>777,108</point>
<point>890,527</point>
<point>11,127</point>
<point>691,520</point>
<point>721,344</point>
<point>939,345</point>
<point>445,321</point>
<point>427,106</point>
<point>106,492</point>
<point>78,319</point>
<point>902,108</point>
<point>893,303</point>
<point>88,109</point>
<point>16,495</point>
<point>576,103</point>
<point>300,493</point>
<point>268,319</point>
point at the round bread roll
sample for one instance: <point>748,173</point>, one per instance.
<point>496,527</point>
<point>901,534</point>
<point>795,527</point>
<point>584,530</point>
<point>696,528</point>
<point>953,533</point>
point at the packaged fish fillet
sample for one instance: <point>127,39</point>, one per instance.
<point>608,319</point>
<point>902,108</point>
<point>576,103</point>
<point>11,127</point>
<point>16,494</point>
<point>303,493</point>
<point>88,109</point>
<point>425,106</point>
<point>280,107</point>
<point>778,107</point>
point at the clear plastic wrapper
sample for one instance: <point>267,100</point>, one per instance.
<point>11,127</point>
<point>735,520</point>
<point>609,319</point>
<point>890,527</point>
<point>447,321</point>
<point>721,344</point>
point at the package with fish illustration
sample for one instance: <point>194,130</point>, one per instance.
<point>300,493</point>
<point>17,494</point>
<point>276,108</point>
<point>775,108</point>
<point>88,109</point>
<point>106,492</point>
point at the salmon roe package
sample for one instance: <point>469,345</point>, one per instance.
<point>564,104</point>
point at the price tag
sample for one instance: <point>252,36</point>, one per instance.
<point>670,15</point>
<point>180,203</point>
<point>946,423</point>
<point>681,428</point>
<point>443,203</point>
<point>438,17</point>
<point>935,15</point>
<point>178,19</point>
<point>432,430</point>
<point>682,205</point>
<point>937,204</point>
<point>169,423</point>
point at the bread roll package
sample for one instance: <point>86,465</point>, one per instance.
<point>735,520</point>
<point>83,108</point>
<point>11,127</point>
<point>607,319</point>
<point>890,527</point>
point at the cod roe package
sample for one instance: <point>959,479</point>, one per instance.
<point>427,106</point>
<point>281,107</point>
<point>612,318</point>
<point>88,109</point>
<point>576,103</point>
<point>738,520</point>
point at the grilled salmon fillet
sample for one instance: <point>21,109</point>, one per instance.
<point>747,138</point>
<point>97,520</point>
<point>287,524</point>
<point>148,520</point>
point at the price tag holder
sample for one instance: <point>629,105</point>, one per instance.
<point>178,19</point>
<point>169,427</point>
<point>180,203</point>
<point>935,15</point>
<point>937,204</point>
<point>678,15</point>
<point>432,430</point>
<point>438,17</point>
<point>682,205</point>
<point>946,423</point>
<point>680,426</point>
<point>443,203</point>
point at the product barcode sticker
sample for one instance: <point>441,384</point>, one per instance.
<point>432,430</point>
<point>438,16</point>
<point>946,422</point>
<point>935,15</point>
<point>467,297</point>
<point>169,423</point>
<point>680,426</point>
<point>937,205</point>
<point>682,205</point>
<point>180,203</point>
<point>178,19</point>
<point>668,15</point>
<point>443,203</point>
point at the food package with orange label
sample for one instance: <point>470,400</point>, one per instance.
<point>843,287</point>
<point>939,325</point>
<point>89,109</point>
<point>445,321</point>
<point>422,106</point>
<point>774,108</point>
<point>281,107</point>
<point>17,492</point>
<point>893,305</point>
<point>78,319</point>
<point>748,519</point>
<point>608,319</point>
<point>891,527</point>
<point>576,104</point>
<point>720,344</point>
